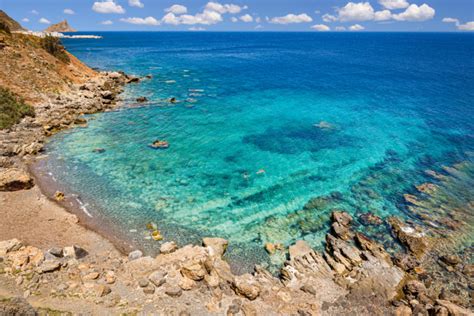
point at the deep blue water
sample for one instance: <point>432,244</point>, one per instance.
<point>392,106</point>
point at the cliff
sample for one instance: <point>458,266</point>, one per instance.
<point>61,27</point>
<point>11,23</point>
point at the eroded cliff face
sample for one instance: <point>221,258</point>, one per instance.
<point>61,27</point>
<point>9,22</point>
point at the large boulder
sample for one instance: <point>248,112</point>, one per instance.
<point>247,286</point>
<point>13,179</point>
<point>218,246</point>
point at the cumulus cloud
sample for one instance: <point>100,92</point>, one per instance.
<point>247,18</point>
<point>108,6</point>
<point>361,11</point>
<point>416,13</point>
<point>258,19</point>
<point>135,3</point>
<point>321,27</point>
<point>340,28</point>
<point>224,8</point>
<point>44,21</point>
<point>196,28</point>
<point>25,20</point>
<point>382,15</point>
<point>394,4</point>
<point>68,11</point>
<point>356,27</point>
<point>177,9</point>
<point>468,26</point>
<point>34,12</point>
<point>258,27</point>
<point>107,22</point>
<point>329,18</point>
<point>291,18</point>
<point>142,21</point>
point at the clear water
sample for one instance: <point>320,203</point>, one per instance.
<point>397,104</point>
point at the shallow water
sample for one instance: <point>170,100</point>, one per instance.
<point>246,151</point>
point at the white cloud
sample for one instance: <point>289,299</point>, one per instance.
<point>142,21</point>
<point>450,20</point>
<point>224,8</point>
<point>234,19</point>
<point>258,27</point>
<point>107,6</point>
<point>382,15</point>
<point>469,26</point>
<point>394,4</point>
<point>258,19</point>
<point>416,13</point>
<point>135,3</point>
<point>321,27</point>
<point>205,18</point>
<point>34,12</point>
<point>107,22</point>
<point>177,9</point>
<point>340,28</point>
<point>361,11</point>
<point>68,11</point>
<point>329,18</point>
<point>44,21</point>
<point>291,18</point>
<point>356,27</point>
<point>247,18</point>
<point>196,28</point>
<point>25,20</point>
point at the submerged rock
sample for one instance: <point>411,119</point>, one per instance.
<point>142,99</point>
<point>12,179</point>
<point>415,240</point>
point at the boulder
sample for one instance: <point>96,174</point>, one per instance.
<point>341,217</point>
<point>194,271</point>
<point>415,240</point>
<point>75,252</point>
<point>49,266</point>
<point>173,291</point>
<point>134,255</point>
<point>454,309</point>
<point>158,278</point>
<point>247,286</point>
<point>13,179</point>
<point>168,247</point>
<point>7,246</point>
<point>217,245</point>
<point>299,249</point>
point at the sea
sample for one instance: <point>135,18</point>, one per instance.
<point>269,133</point>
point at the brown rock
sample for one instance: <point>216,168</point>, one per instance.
<point>454,309</point>
<point>173,291</point>
<point>299,249</point>
<point>341,217</point>
<point>451,260</point>
<point>247,286</point>
<point>13,179</point>
<point>468,270</point>
<point>218,245</point>
<point>187,284</point>
<point>7,246</point>
<point>194,271</point>
<point>49,266</point>
<point>414,288</point>
<point>168,247</point>
<point>415,240</point>
<point>158,278</point>
<point>402,311</point>
<point>248,309</point>
<point>102,290</point>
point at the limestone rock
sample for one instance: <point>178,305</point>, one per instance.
<point>454,309</point>
<point>75,252</point>
<point>135,255</point>
<point>217,245</point>
<point>7,246</point>
<point>49,266</point>
<point>102,290</point>
<point>194,271</point>
<point>168,247</point>
<point>158,278</point>
<point>13,179</point>
<point>402,310</point>
<point>299,249</point>
<point>247,286</point>
<point>173,291</point>
<point>415,240</point>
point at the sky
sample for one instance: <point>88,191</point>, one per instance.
<point>247,15</point>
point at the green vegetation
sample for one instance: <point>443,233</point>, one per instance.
<point>54,46</point>
<point>12,109</point>
<point>4,28</point>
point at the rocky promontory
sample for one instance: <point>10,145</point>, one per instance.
<point>60,27</point>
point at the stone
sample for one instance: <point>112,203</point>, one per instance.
<point>143,282</point>
<point>134,255</point>
<point>49,266</point>
<point>150,289</point>
<point>55,251</point>
<point>110,277</point>
<point>220,267</point>
<point>168,247</point>
<point>173,291</point>
<point>308,288</point>
<point>107,95</point>
<point>341,217</point>
<point>75,252</point>
<point>187,284</point>
<point>13,179</point>
<point>370,219</point>
<point>454,309</point>
<point>415,240</point>
<point>59,196</point>
<point>233,309</point>
<point>247,286</point>
<point>7,246</point>
<point>468,270</point>
<point>248,309</point>
<point>102,290</point>
<point>402,310</point>
<point>17,306</point>
<point>270,248</point>
<point>194,271</point>
<point>142,99</point>
<point>158,278</point>
<point>299,249</point>
<point>91,276</point>
<point>341,231</point>
<point>451,260</point>
<point>217,245</point>
<point>414,288</point>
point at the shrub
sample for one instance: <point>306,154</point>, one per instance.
<point>12,109</point>
<point>54,46</point>
<point>4,27</point>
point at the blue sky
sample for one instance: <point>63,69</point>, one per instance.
<point>246,15</point>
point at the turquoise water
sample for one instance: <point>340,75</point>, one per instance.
<point>248,150</point>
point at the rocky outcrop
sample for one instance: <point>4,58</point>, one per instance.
<point>14,179</point>
<point>11,23</point>
<point>60,27</point>
<point>414,238</point>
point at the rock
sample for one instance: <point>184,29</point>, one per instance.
<point>75,252</point>
<point>55,251</point>
<point>414,288</point>
<point>415,240</point>
<point>158,278</point>
<point>102,290</point>
<point>16,306</point>
<point>168,247</point>
<point>134,255</point>
<point>299,249</point>
<point>248,309</point>
<point>219,267</point>
<point>341,217</point>
<point>194,271</point>
<point>218,245</point>
<point>91,276</point>
<point>308,288</point>
<point>468,270</point>
<point>451,260</point>
<point>7,246</point>
<point>49,266</point>
<point>59,196</point>
<point>247,286</point>
<point>142,99</point>
<point>143,282</point>
<point>150,289</point>
<point>13,179</point>
<point>270,248</point>
<point>233,309</point>
<point>187,284</point>
<point>402,310</point>
<point>440,311</point>
<point>133,80</point>
<point>370,219</point>
<point>110,277</point>
<point>454,309</point>
<point>173,291</point>
<point>107,95</point>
